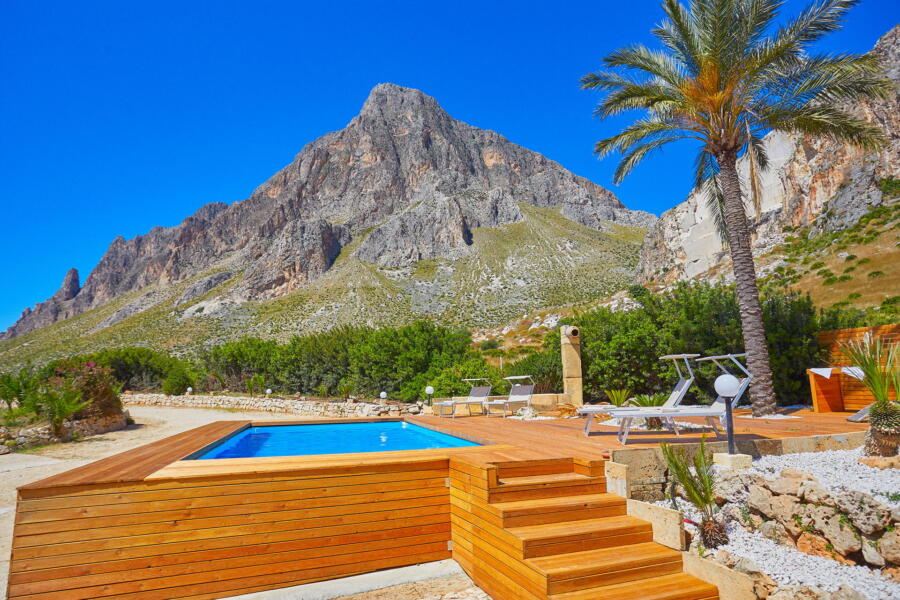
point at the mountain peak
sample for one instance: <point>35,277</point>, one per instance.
<point>390,97</point>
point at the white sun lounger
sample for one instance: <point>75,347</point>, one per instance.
<point>519,394</point>
<point>477,395</point>
<point>714,411</point>
<point>678,392</point>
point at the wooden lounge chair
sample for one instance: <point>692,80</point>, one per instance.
<point>678,392</point>
<point>477,396</point>
<point>519,395</point>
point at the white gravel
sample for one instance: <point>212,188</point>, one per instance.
<point>837,470</point>
<point>790,567</point>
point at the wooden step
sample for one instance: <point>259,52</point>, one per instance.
<point>545,486</point>
<point>555,510</point>
<point>606,566</point>
<point>576,536</point>
<point>535,466</point>
<point>666,587</point>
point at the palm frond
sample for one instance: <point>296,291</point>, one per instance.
<point>643,59</point>
<point>679,35</point>
<point>639,152</point>
<point>825,121</point>
<point>706,183</point>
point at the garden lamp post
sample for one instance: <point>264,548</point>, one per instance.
<point>189,390</point>
<point>727,386</point>
<point>382,395</point>
<point>428,392</point>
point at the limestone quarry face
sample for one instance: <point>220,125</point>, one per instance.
<point>403,179</point>
<point>816,182</point>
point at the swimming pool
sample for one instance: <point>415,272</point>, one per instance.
<point>330,438</point>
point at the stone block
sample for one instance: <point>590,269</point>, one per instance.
<point>735,462</point>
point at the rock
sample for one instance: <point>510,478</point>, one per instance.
<point>891,573</point>
<point>4,449</point>
<point>881,462</point>
<point>869,515</point>
<point>870,552</point>
<point>889,546</point>
<point>760,500</point>
<point>845,592</point>
<point>816,545</point>
<point>815,493</point>
<point>730,488</point>
<point>403,178</point>
<point>843,538</point>
<point>797,474</point>
<point>784,508</point>
<point>798,593</point>
<point>785,485</point>
<point>776,532</point>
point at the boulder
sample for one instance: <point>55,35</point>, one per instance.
<point>881,462</point>
<point>816,545</point>
<point>776,532</point>
<point>868,514</point>
<point>760,500</point>
<point>889,546</point>
<point>870,552</point>
<point>784,508</point>
<point>786,485</point>
<point>845,592</point>
<point>815,493</point>
<point>798,592</point>
<point>797,474</point>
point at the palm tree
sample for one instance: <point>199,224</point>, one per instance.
<point>727,76</point>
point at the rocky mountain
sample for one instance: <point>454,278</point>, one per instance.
<point>818,183</point>
<point>390,206</point>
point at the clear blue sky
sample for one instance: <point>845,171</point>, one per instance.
<point>119,116</point>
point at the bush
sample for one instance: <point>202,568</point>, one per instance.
<point>177,381</point>
<point>95,383</point>
<point>622,349</point>
<point>57,400</point>
<point>489,345</point>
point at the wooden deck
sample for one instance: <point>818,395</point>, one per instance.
<point>564,436</point>
<point>527,513</point>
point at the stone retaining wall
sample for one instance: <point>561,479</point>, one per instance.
<point>302,406</point>
<point>42,434</point>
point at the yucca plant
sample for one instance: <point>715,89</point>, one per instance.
<point>649,401</point>
<point>58,400</point>
<point>879,363</point>
<point>698,484</point>
<point>617,397</point>
<point>730,72</point>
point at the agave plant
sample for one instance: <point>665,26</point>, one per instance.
<point>698,484</point>
<point>617,397</point>
<point>880,365</point>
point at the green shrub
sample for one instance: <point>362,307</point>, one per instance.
<point>545,367</point>
<point>15,387</point>
<point>816,265</point>
<point>854,296</point>
<point>875,274</point>
<point>56,400</point>
<point>863,261</point>
<point>489,345</point>
<point>850,257</point>
<point>177,381</point>
<point>617,397</point>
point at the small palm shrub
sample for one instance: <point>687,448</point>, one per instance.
<point>177,381</point>
<point>617,397</point>
<point>880,364</point>
<point>698,484</point>
<point>57,400</point>
<point>650,401</point>
<point>15,387</point>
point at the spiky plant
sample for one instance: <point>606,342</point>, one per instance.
<point>649,401</point>
<point>879,363</point>
<point>727,75</point>
<point>698,485</point>
<point>617,397</point>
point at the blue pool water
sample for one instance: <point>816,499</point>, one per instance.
<point>339,438</point>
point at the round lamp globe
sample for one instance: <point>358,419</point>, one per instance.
<point>727,386</point>
<point>382,395</point>
<point>429,390</point>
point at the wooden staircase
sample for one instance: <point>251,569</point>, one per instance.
<point>544,529</point>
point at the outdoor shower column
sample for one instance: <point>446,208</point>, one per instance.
<point>570,343</point>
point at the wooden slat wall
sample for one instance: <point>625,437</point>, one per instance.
<point>222,536</point>
<point>853,393</point>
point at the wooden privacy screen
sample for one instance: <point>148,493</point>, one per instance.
<point>843,393</point>
<point>209,537</point>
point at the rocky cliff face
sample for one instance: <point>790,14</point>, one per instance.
<point>402,182</point>
<point>817,182</point>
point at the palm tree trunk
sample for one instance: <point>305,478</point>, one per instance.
<point>761,389</point>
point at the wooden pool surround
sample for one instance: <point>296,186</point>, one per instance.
<point>526,515</point>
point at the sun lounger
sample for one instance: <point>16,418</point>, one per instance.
<point>477,396</point>
<point>714,411</point>
<point>675,397</point>
<point>519,395</point>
